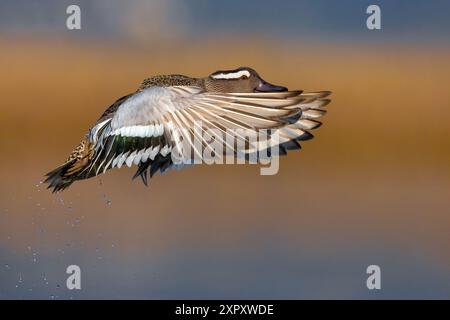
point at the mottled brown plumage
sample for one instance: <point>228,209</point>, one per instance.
<point>76,163</point>
<point>170,81</point>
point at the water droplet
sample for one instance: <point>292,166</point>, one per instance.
<point>107,200</point>
<point>6,266</point>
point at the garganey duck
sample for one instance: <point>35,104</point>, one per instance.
<point>139,127</point>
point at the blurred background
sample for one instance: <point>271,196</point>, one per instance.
<point>372,187</point>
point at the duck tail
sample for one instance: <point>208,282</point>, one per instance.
<point>73,169</point>
<point>58,179</point>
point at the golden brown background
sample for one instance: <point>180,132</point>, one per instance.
<point>372,187</point>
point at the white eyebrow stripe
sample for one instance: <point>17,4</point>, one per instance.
<point>233,75</point>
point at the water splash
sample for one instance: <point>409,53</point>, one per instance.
<point>68,206</point>
<point>34,254</point>
<point>44,278</point>
<point>38,185</point>
<point>105,198</point>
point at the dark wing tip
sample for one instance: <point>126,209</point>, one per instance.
<point>142,172</point>
<point>306,136</point>
<point>57,178</point>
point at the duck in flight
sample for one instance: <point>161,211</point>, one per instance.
<point>139,128</point>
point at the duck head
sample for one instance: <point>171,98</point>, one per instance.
<point>240,80</point>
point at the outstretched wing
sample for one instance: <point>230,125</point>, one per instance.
<point>154,123</point>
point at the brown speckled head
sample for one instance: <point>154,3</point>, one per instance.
<point>240,80</point>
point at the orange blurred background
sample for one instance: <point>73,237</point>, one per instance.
<point>372,187</point>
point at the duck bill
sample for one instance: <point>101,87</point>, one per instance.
<point>268,87</point>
